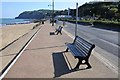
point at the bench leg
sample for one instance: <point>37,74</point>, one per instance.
<point>87,62</point>
<point>78,64</point>
<point>66,50</point>
<point>57,32</point>
<point>60,33</point>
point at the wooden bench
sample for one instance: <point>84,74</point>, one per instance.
<point>80,49</point>
<point>58,30</point>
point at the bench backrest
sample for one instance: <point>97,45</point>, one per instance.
<point>60,28</point>
<point>83,46</point>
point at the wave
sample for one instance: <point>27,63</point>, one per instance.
<point>12,21</point>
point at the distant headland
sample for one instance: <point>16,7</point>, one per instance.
<point>36,14</point>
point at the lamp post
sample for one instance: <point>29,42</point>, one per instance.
<point>52,12</point>
<point>76,19</point>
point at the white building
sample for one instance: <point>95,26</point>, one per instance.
<point>63,16</point>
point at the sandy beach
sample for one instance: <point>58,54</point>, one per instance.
<point>10,33</point>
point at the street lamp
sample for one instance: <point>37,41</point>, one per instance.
<point>53,13</point>
<point>76,19</point>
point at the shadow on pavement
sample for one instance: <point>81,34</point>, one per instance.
<point>60,65</point>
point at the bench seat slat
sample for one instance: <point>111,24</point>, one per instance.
<point>82,49</point>
<point>83,43</point>
<point>75,51</point>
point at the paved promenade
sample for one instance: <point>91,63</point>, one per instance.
<point>44,58</point>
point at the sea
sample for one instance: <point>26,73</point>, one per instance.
<point>11,21</point>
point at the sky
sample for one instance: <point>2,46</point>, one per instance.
<point>12,8</point>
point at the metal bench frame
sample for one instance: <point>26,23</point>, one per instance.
<point>59,30</point>
<point>80,49</point>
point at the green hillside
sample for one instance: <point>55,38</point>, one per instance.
<point>99,10</point>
